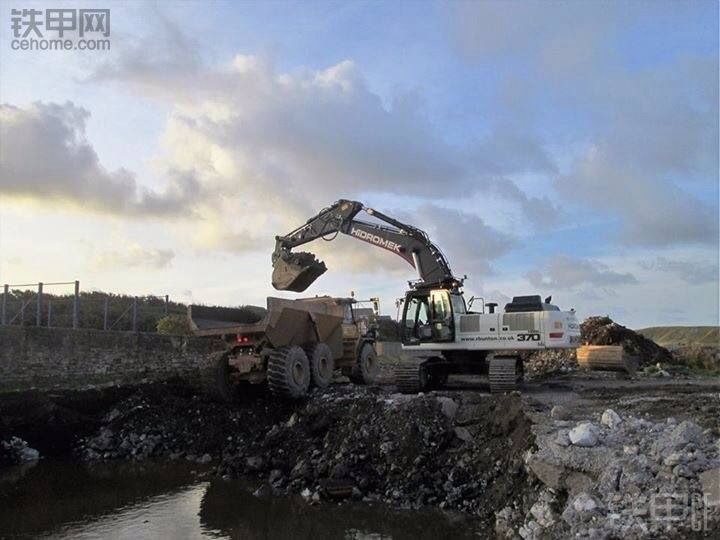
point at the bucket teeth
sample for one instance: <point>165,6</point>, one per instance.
<point>296,271</point>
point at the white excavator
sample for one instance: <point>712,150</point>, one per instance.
<point>445,334</point>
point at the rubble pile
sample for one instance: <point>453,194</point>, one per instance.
<point>173,421</point>
<point>15,450</point>
<point>614,477</point>
<point>461,453</point>
<point>549,361</point>
<point>603,331</point>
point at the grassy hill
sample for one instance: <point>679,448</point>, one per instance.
<point>674,336</point>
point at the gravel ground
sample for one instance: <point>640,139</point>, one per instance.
<point>581,454</point>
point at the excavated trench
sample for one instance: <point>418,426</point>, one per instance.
<point>348,443</point>
<point>513,465</point>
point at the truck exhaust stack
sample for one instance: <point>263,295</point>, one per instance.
<point>296,271</point>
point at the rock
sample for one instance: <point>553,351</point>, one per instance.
<point>581,509</point>
<point>710,482</point>
<point>530,530</point>
<point>584,434</point>
<point>548,473</point>
<point>448,407</point>
<point>560,412</point>
<point>255,463</point>
<point>610,419</point>
<point>275,478</point>
<point>503,523</point>
<point>686,432</point>
<point>631,449</point>
<point>306,493</point>
<point>577,482</point>
<point>206,458</point>
<point>463,434</point>
<point>543,513</point>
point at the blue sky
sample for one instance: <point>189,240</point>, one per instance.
<point>565,148</point>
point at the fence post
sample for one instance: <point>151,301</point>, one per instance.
<point>167,301</point>
<point>106,312</point>
<point>49,311</point>
<point>38,314</point>
<point>134,314</point>
<point>76,306</point>
<point>6,289</point>
<point>22,313</point>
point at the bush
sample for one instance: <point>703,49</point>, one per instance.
<point>175,325</point>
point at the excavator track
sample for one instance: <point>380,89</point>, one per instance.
<point>410,377</point>
<point>503,373</point>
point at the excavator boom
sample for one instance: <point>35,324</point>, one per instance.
<point>297,271</point>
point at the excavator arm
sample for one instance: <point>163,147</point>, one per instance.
<point>297,271</point>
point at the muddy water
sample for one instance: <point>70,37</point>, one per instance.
<point>124,501</point>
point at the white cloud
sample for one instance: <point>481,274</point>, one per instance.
<point>566,272</point>
<point>692,272</point>
<point>131,255</point>
<point>46,157</point>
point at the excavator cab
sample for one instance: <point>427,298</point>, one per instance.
<point>296,271</point>
<point>428,317</point>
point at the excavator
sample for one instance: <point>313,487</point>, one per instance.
<point>443,333</point>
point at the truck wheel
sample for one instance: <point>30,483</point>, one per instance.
<point>216,379</point>
<point>366,368</point>
<point>322,364</point>
<point>289,372</point>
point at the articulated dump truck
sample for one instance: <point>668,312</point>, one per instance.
<point>297,344</point>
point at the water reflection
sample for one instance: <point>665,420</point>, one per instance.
<point>125,501</point>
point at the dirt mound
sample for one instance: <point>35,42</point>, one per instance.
<point>604,331</point>
<point>463,453</point>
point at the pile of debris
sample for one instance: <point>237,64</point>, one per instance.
<point>173,421</point>
<point>614,477</point>
<point>604,331</point>
<point>462,453</point>
<point>549,361</point>
<point>15,450</point>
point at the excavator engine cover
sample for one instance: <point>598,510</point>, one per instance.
<point>296,271</point>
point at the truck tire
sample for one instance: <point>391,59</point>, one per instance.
<point>289,372</point>
<point>322,365</point>
<point>216,379</point>
<point>366,369</point>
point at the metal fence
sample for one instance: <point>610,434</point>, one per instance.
<point>23,307</point>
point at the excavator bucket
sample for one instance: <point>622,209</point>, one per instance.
<point>296,271</point>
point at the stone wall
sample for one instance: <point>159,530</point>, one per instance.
<point>62,358</point>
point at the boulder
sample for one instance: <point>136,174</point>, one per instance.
<point>610,419</point>
<point>584,434</point>
<point>448,407</point>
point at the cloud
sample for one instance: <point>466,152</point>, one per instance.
<point>309,132</point>
<point>132,255</point>
<point>694,273</point>
<point>648,129</point>
<point>566,272</point>
<point>46,157</point>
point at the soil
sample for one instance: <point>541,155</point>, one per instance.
<point>461,449</point>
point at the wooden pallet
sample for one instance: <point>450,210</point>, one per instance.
<point>606,358</point>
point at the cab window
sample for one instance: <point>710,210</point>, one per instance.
<point>458,304</point>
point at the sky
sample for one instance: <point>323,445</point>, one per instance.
<point>555,148</point>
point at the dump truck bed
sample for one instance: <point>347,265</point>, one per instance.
<point>286,322</point>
